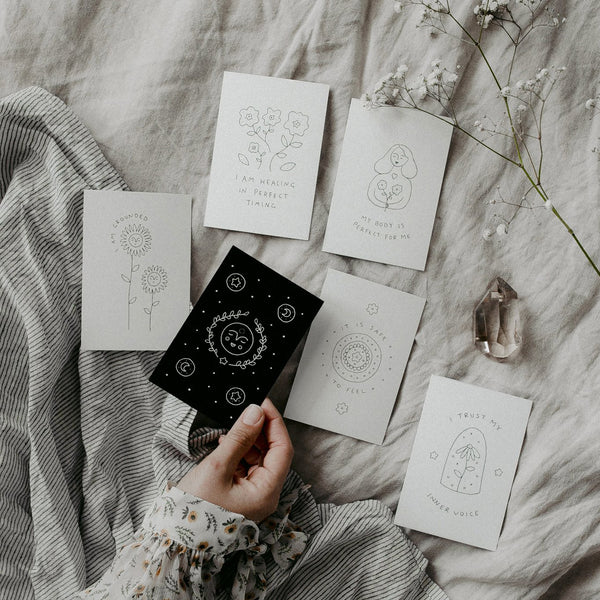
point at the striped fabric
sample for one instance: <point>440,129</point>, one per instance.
<point>86,442</point>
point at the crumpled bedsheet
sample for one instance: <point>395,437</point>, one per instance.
<point>145,76</point>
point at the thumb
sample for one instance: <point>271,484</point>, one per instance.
<point>240,438</point>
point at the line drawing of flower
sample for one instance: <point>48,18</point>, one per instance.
<point>468,452</point>
<point>136,241</point>
<point>372,308</point>
<point>253,148</point>
<point>272,117</point>
<point>248,116</point>
<point>154,281</point>
<point>261,126</point>
<point>297,123</point>
<point>341,408</point>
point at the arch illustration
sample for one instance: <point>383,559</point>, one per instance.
<point>465,463</point>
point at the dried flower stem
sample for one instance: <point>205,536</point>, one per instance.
<point>526,99</point>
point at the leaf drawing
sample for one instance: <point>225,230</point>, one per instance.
<point>135,268</point>
<point>125,278</point>
<point>243,159</point>
<point>296,144</point>
<point>132,300</point>
<point>288,166</point>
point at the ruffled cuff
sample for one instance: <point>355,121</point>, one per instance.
<point>184,542</point>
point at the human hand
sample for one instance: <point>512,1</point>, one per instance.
<point>246,472</point>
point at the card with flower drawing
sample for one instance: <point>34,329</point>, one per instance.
<point>136,269</point>
<point>238,338</point>
<point>463,462</point>
<point>266,155</point>
<point>387,186</point>
<point>354,357</point>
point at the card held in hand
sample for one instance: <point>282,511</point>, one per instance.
<point>237,339</point>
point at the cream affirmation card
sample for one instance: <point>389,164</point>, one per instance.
<point>354,357</point>
<point>388,185</point>
<point>266,155</point>
<point>136,269</point>
<point>463,462</point>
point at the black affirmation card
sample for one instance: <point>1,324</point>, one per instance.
<point>238,338</point>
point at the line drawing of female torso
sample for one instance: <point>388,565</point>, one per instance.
<point>391,188</point>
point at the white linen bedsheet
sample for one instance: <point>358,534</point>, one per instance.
<point>145,77</point>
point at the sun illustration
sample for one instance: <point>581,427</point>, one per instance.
<point>136,239</point>
<point>154,279</point>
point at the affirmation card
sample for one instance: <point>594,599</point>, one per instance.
<point>388,185</point>
<point>463,462</point>
<point>354,358</point>
<point>136,269</point>
<point>266,155</point>
<point>237,339</point>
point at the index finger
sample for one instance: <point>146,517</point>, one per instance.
<point>278,458</point>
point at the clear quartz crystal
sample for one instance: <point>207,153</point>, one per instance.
<point>497,327</point>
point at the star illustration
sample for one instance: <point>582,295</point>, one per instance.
<point>223,361</point>
<point>235,396</point>
<point>235,282</point>
<point>372,308</point>
<point>498,472</point>
<point>341,408</point>
<point>433,455</point>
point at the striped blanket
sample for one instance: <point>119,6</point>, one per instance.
<point>86,441</point>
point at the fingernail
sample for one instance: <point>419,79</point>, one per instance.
<point>252,415</point>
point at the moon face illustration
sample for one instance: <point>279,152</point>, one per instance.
<point>356,357</point>
<point>286,313</point>
<point>237,339</point>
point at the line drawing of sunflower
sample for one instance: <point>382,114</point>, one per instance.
<point>136,240</point>
<point>154,280</point>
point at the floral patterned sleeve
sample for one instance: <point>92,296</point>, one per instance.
<point>183,544</point>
